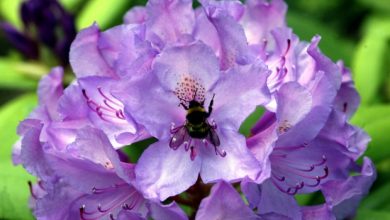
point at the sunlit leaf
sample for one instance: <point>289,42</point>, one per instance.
<point>376,200</point>
<point>368,61</point>
<point>379,147</point>
<point>249,122</point>
<point>368,114</point>
<point>22,75</point>
<point>105,13</point>
<point>10,116</point>
<point>9,9</point>
<point>365,214</point>
<point>14,190</point>
<point>379,5</point>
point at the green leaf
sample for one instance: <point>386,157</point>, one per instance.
<point>376,200</point>
<point>105,13</point>
<point>368,63</point>
<point>20,75</point>
<point>9,9</point>
<point>10,116</point>
<point>367,214</point>
<point>14,190</point>
<point>379,5</point>
<point>250,121</point>
<point>368,114</point>
<point>379,148</point>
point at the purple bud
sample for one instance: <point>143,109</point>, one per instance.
<point>21,42</point>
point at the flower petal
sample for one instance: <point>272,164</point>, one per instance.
<point>85,57</point>
<point>261,17</point>
<point>195,60</point>
<point>224,202</point>
<point>268,199</point>
<point>238,93</point>
<point>238,162</point>
<point>163,212</point>
<point>150,105</point>
<point>169,19</point>
<point>136,15</point>
<point>344,196</point>
<point>162,172</point>
<point>234,46</point>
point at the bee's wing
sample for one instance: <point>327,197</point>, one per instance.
<point>179,136</point>
<point>213,138</point>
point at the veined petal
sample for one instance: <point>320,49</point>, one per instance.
<point>151,106</point>
<point>238,93</point>
<point>136,15</point>
<point>234,46</point>
<point>195,60</point>
<point>50,89</point>
<point>224,202</point>
<point>344,196</point>
<point>237,164</point>
<point>261,17</point>
<point>320,212</point>
<point>268,199</point>
<point>163,212</point>
<point>162,172</point>
<point>177,13</point>
<point>85,57</point>
<point>102,153</point>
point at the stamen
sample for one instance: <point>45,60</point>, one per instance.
<point>345,105</point>
<point>31,190</point>
<point>109,111</point>
<point>193,153</point>
<point>219,151</point>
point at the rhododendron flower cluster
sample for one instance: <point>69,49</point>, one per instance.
<point>188,77</point>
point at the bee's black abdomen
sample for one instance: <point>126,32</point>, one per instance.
<point>196,117</point>
<point>198,131</point>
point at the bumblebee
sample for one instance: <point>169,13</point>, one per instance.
<point>196,125</point>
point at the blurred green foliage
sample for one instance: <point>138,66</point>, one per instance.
<point>356,31</point>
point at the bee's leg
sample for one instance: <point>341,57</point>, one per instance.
<point>184,106</point>
<point>211,106</point>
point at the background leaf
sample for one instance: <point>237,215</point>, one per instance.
<point>368,62</point>
<point>14,190</point>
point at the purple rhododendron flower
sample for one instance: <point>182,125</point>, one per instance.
<point>189,78</point>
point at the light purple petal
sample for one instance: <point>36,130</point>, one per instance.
<point>261,145</point>
<point>238,93</point>
<point>261,17</point>
<point>101,153</point>
<point>224,202</point>
<point>344,196</point>
<point>162,172</point>
<point>234,46</point>
<point>136,15</point>
<point>238,162</point>
<point>268,199</point>
<point>320,212</point>
<point>105,111</point>
<point>195,60</point>
<point>169,19</point>
<point>50,89</point>
<point>151,106</point>
<point>306,129</point>
<point>163,212</point>
<point>85,57</point>
<point>294,103</point>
